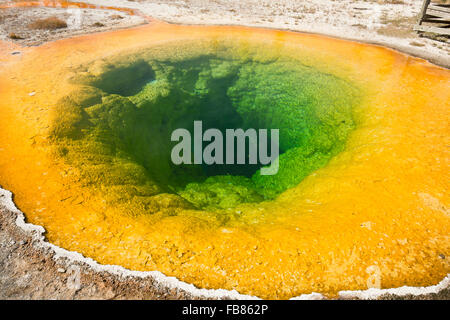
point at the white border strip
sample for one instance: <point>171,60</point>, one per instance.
<point>374,293</point>
<point>37,233</point>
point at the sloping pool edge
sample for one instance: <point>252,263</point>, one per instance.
<point>37,233</point>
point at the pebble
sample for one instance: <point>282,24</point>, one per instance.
<point>61,270</point>
<point>32,93</point>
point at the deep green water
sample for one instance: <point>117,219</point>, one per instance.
<point>116,128</point>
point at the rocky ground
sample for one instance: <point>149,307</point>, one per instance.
<point>16,24</point>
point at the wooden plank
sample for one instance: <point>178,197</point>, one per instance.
<point>439,8</point>
<point>435,20</point>
<point>443,31</point>
<point>440,14</point>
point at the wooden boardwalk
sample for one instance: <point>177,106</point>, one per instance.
<point>436,16</point>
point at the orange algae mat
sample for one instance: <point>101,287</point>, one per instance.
<point>376,214</point>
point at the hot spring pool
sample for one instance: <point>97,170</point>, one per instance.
<point>361,192</point>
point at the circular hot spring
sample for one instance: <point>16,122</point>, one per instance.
<point>355,202</point>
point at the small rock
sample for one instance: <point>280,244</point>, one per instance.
<point>441,256</point>
<point>32,94</point>
<point>16,52</point>
<point>61,270</point>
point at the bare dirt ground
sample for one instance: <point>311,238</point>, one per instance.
<point>18,22</point>
<point>29,270</point>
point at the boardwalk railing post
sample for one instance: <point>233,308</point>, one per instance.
<point>423,11</point>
